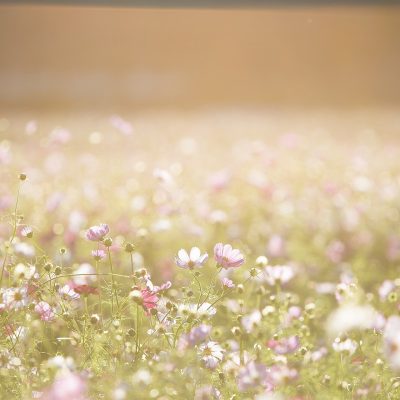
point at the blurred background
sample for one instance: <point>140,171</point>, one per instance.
<point>69,57</point>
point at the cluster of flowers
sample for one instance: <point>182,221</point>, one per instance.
<point>262,281</point>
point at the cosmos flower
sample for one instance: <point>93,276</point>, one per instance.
<point>196,335</point>
<point>67,292</point>
<point>278,274</point>
<point>253,375</point>
<point>227,257</point>
<point>192,260</point>
<point>84,275</point>
<point>85,289</point>
<point>99,254</point>
<point>144,297</point>
<point>211,354</point>
<point>16,298</point>
<point>227,283</point>
<point>251,321</point>
<point>348,345</point>
<point>67,386</point>
<point>391,341</point>
<point>27,231</point>
<point>97,232</point>
<point>207,392</point>
<point>22,271</point>
<point>284,345</point>
<point>45,311</point>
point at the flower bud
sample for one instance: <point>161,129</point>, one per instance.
<point>129,247</point>
<point>94,319</point>
<point>107,242</point>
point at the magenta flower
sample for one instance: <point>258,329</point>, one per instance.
<point>227,257</point>
<point>149,299</point>
<point>144,297</point>
<point>97,232</point>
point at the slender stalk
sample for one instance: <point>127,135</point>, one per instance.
<point>13,233</point>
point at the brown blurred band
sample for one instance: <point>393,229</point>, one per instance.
<point>203,3</point>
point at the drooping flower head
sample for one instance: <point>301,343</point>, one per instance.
<point>227,257</point>
<point>192,260</point>
<point>97,232</point>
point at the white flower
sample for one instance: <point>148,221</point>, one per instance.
<point>349,317</point>
<point>250,321</point>
<point>192,260</point>
<point>24,249</point>
<point>347,345</point>
<point>278,274</point>
<point>85,275</point>
<point>211,354</point>
<point>391,341</point>
<point>22,271</point>
<point>15,298</point>
<point>204,309</point>
<point>67,292</point>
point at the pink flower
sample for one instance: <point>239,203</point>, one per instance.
<point>228,283</point>
<point>165,286</point>
<point>67,387</point>
<point>197,335</point>
<point>144,297</point>
<point>97,232</point>
<point>335,251</point>
<point>149,299</point>
<point>227,257</point>
<point>254,375</point>
<point>285,345</point>
<point>191,260</point>
<point>98,254</point>
<point>45,311</point>
<point>276,246</point>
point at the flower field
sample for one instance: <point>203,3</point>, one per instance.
<point>230,255</point>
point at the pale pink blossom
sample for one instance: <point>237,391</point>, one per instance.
<point>254,375</point>
<point>227,257</point>
<point>68,386</point>
<point>227,283</point>
<point>391,341</point>
<point>99,254</point>
<point>335,251</point>
<point>284,345</point>
<point>97,232</point>
<point>45,311</point>
<point>196,335</point>
<point>67,292</point>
